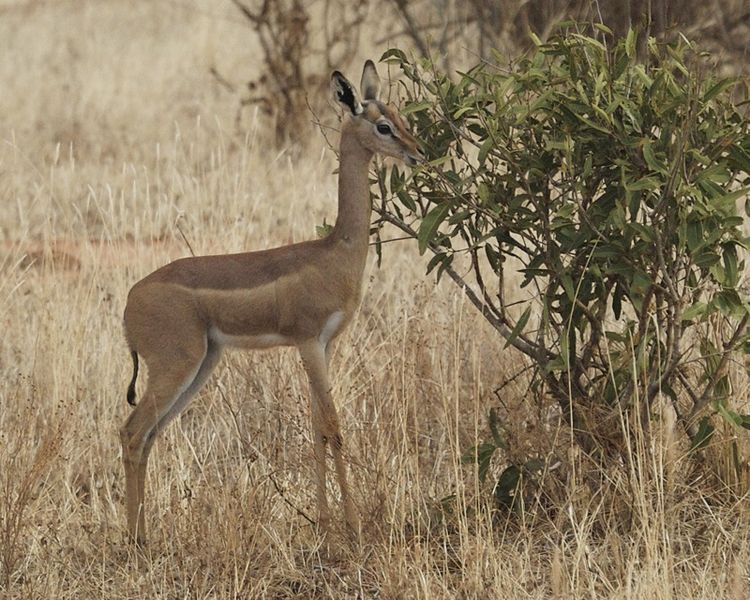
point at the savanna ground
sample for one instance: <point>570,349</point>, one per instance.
<point>119,152</point>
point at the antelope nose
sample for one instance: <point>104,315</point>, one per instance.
<point>415,157</point>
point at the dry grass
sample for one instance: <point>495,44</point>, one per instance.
<point>114,142</point>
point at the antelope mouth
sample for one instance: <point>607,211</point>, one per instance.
<point>413,159</point>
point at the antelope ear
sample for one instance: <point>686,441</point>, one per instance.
<point>344,92</point>
<point>370,85</point>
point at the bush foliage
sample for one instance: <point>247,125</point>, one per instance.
<point>613,180</point>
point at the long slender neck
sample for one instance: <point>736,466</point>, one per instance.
<point>353,220</point>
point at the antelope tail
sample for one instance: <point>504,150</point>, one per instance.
<point>131,387</point>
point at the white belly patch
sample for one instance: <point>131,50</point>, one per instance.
<point>251,342</point>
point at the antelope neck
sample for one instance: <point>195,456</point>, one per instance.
<point>353,221</point>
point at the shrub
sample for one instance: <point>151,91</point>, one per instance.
<point>613,182</point>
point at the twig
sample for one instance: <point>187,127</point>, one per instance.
<point>398,239</point>
<point>288,502</point>
<point>319,124</point>
<point>248,446</point>
<point>527,347</point>
<point>507,382</point>
<point>221,80</point>
<point>184,238</point>
<point>706,396</point>
<point>426,28</point>
<point>253,18</point>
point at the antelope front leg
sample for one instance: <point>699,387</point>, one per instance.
<point>319,451</point>
<point>326,429</point>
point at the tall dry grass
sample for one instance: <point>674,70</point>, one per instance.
<point>117,150</point>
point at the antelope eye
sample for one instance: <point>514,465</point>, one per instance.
<point>384,128</point>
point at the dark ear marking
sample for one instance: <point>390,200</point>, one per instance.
<point>344,92</point>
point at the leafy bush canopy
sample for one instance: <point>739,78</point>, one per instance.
<point>613,181</point>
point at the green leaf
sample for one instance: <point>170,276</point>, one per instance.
<point>696,310</point>
<point>729,415</point>
<point>394,55</point>
<point>414,107</point>
<point>534,465</point>
<point>644,183</point>
<point>518,327</point>
<point>323,230</point>
<point>406,200</point>
<point>729,303</point>
<point>739,158</point>
<point>727,203</point>
<point>567,282</point>
<point>507,486</point>
<point>429,225</point>
<point>564,353</point>
<point>462,111</point>
<point>436,162</point>
<point>481,455</point>
<point>706,259</point>
<point>653,163</point>
<point>718,88</point>
<point>484,150</point>
<point>694,234</point>
<point>617,301</point>
<point>731,274</point>
<point>630,41</point>
<point>438,259</point>
<point>646,233</point>
<point>703,435</point>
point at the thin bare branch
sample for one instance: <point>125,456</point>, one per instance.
<point>707,396</point>
<point>519,342</point>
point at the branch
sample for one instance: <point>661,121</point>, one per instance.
<point>427,28</point>
<point>221,80</point>
<point>706,396</point>
<point>253,18</point>
<point>528,347</point>
<point>500,314</point>
<point>288,502</point>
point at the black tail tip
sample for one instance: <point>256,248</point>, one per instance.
<point>131,387</point>
<point>131,395</point>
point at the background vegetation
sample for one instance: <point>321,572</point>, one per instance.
<point>133,132</point>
